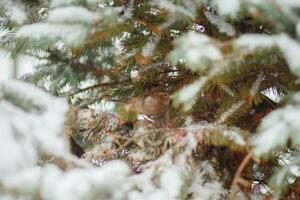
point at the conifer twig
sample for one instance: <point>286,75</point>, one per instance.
<point>237,176</point>
<point>93,87</point>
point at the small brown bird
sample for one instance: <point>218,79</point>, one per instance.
<point>154,104</point>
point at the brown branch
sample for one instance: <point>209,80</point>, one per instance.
<point>90,66</point>
<point>93,87</point>
<point>237,176</point>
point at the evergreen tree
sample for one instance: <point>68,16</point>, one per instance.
<point>155,99</point>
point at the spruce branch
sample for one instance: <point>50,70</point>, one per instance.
<point>96,86</point>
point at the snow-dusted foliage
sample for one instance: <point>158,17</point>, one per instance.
<point>196,50</point>
<point>180,8</point>
<point>170,170</point>
<point>220,23</point>
<point>73,14</point>
<point>60,3</point>
<point>15,9</point>
<point>285,174</point>
<point>172,177</point>
<point>209,190</point>
<point>209,68</point>
<point>72,35</point>
<point>188,95</point>
<point>289,47</point>
<point>281,125</point>
<point>69,24</point>
<point>230,7</point>
<point>31,128</point>
<point>52,183</point>
<point>34,129</point>
<point>31,124</point>
<point>253,41</point>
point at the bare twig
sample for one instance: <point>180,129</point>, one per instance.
<point>237,176</point>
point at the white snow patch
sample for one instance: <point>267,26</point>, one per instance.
<point>58,3</point>
<point>25,134</point>
<point>263,142</point>
<point>291,51</point>
<point>72,14</point>
<point>289,3</point>
<point>188,94</point>
<point>171,182</point>
<point>228,7</point>
<point>203,190</point>
<point>188,7</point>
<point>235,137</point>
<point>5,66</point>
<point>195,49</point>
<point>72,35</point>
<point>222,25</point>
<point>16,11</point>
<point>31,125</point>
<point>253,41</point>
<point>94,183</point>
<point>76,184</point>
<point>280,125</point>
<point>18,15</point>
